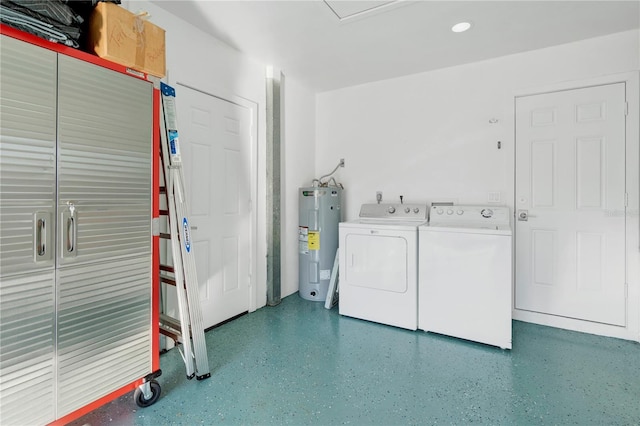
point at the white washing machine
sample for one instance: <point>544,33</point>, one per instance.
<point>465,274</point>
<point>378,256</point>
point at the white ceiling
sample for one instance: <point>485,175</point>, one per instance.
<point>337,43</point>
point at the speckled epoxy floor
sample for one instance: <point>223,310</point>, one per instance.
<point>298,363</point>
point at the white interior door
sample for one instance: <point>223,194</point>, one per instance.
<point>215,137</point>
<point>570,180</point>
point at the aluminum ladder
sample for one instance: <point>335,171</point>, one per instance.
<point>188,329</point>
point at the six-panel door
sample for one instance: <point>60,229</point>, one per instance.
<point>570,179</point>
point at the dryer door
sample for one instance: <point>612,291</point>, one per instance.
<point>376,261</point>
<point>378,275</point>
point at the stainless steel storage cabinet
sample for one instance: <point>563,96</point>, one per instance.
<point>75,228</point>
<point>319,215</point>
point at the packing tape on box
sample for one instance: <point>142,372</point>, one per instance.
<point>140,47</point>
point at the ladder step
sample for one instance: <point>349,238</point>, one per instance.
<point>164,212</point>
<point>170,322</point>
<point>167,280</point>
<point>165,236</point>
<point>163,189</point>
<point>171,327</point>
<point>166,268</point>
<point>172,334</point>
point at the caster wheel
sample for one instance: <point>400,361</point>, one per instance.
<point>141,401</point>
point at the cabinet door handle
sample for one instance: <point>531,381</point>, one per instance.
<point>41,232</point>
<point>71,234</point>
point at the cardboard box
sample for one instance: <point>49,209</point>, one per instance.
<point>122,37</point>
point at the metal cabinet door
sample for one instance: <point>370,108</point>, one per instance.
<point>27,206</point>
<point>28,160</point>
<point>104,170</point>
<point>105,135</point>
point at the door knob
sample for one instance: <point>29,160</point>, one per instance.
<point>523,215</point>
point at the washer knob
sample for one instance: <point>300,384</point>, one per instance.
<point>449,211</point>
<point>460,212</point>
<point>416,210</point>
<point>440,211</point>
<point>407,210</point>
<point>391,209</point>
<point>486,213</point>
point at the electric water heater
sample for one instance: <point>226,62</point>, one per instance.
<point>319,215</point>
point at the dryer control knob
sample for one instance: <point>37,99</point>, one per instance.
<point>407,210</point>
<point>460,212</point>
<point>391,209</point>
<point>416,210</point>
<point>449,211</point>
<point>440,211</point>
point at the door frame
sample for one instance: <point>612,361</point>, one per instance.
<point>256,190</point>
<point>632,222</point>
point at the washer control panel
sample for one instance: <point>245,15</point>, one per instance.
<point>394,211</point>
<point>490,215</point>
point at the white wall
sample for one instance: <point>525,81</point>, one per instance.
<point>424,136</point>
<point>428,137</point>
<point>201,61</point>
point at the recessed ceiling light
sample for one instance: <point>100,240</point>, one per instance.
<point>461,27</point>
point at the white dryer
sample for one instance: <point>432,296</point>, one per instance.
<point>465,274</point>
<point>378,256</point>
